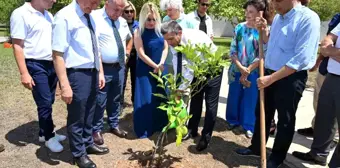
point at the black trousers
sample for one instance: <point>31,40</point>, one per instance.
<point>328,113</point>
<point>131,65</point>
<point>211,91</point>
<point>84,84</point>
<point>284,96</point>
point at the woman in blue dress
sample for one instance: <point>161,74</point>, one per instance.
<point>243,72</point>
<point>152,50</point>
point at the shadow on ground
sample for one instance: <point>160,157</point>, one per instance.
<point>28,134</point>
<point>223,151</point>
<point>145,159</point>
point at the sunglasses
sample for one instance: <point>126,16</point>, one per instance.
<point>205,4</point>
<point>149,19</point>
<point>129,11</point>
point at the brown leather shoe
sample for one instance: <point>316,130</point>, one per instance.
<point>98,138</point>
<point>118,132</point>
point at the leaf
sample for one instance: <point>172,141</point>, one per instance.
<point>164,108</point>
<point>160,95</point>
<point>161,86</point>
<point>179,136</point>
<point>159,79</point>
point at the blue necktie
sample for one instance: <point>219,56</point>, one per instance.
<point>94,42</point>
<point>121,53</point>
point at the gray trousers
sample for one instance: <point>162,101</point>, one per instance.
<point>328,112</point>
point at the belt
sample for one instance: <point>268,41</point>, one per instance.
<point>82,69</point>
<point>116,64</point>
<point>40,61</point>
<point>334,74</point>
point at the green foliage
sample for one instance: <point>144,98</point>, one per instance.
<point>175,107</point>
<point>6,8</point>
<point>139,4</point>
<point>325,8</point>
<point>59,5</point>
<point>211,67</point>
<point>229,9</point>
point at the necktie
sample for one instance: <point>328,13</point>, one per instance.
<point>121,53</point>
<point>94,42</point>
<point>179,67</point>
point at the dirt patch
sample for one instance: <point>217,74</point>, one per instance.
<point>311,79</point>
<point>19,130</point>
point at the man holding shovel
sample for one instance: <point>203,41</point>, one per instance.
<point>291,51</point>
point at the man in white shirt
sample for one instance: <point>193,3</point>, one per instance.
<point>201,20</point>
<point>174,11</point>
<point>78,66</point>
<point>328,109</point>
<point>114,33</point>
<point>31,33</point>
<point>175,36</point>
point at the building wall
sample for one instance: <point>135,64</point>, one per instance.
<point>224,28</point>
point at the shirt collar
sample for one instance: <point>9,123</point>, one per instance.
<point>31,9</point>
<point>291,13</point>
<point>135,24</point>
<point>76,6</point>
<point>104,13</point>
<point>181,17</point>
<point>196,15</point>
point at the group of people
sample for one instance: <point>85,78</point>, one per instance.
<point>90,52</point>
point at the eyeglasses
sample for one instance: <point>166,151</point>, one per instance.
<point>149,19</point>
<point>129,11</point>
<point>205,4</point>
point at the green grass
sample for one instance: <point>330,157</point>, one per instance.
<point>3,33</point>
<point>223,43</point>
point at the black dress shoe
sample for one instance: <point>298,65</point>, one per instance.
<point>97,150</point>
<point>231,126</point>
<point>308,132</point>
<point>320,160</point>
<point>118,132</point>
<point>190,134</point>
<point>247,152</point>
<point>84,162</point>
<point>202,144</point>
<point>98,138</point>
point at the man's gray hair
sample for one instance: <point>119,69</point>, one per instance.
<point>170,27</point>
<point>176,4</point>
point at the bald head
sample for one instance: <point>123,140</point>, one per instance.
<point>114,8</point>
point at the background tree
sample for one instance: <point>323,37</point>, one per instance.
<point>220,9</point>
<point>326,9</point>
<point>6,8</point>
<point>231,10</point>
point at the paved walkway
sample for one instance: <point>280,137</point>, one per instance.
<point>3,39</point>
<point>304,117</point>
